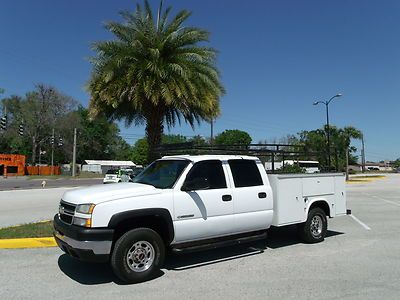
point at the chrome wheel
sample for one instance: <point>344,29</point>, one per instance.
<point>140,256</point>
<point>316,226</point>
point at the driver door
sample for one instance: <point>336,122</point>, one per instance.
<point>205,212</point>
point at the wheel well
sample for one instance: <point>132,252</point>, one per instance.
<point>156,223</point>
<point>321,204</point>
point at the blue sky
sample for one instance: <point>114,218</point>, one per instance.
<point>276,59</point>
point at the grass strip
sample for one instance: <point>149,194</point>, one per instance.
<point>31,230</point>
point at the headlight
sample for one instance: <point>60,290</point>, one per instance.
<point>85,208</point>
<point>82,222</point>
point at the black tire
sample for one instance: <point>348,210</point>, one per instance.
<point>310,231</point>
<point>124,267</point>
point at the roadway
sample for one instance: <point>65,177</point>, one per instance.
<point>24,200</point>
<point>359,259</point>
<point>26,206</point>
<point>23,183</point>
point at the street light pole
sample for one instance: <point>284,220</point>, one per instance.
<point>327,126</point>
<point>328,136</point>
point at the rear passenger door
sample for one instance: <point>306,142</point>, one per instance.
<point>253,205</point>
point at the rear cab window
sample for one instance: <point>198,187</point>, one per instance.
<point>245,172</point>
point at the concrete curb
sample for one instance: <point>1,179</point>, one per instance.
<point>44,242</point>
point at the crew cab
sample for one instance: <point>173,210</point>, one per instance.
<point>185,203</point>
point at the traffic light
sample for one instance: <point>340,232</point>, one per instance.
<point>52,140</point>
<point>60,142</point>
<point>3,123</point>
<point>21,129</point>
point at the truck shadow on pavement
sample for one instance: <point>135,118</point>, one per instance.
<point>94,274</point>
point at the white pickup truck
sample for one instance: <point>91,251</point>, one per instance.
<point>183,203</point>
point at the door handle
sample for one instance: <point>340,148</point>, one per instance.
<point>226,198</point>
<point>262,195</point>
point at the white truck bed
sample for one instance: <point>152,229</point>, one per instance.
<point>294,193</point>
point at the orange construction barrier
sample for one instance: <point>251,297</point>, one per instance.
<point>43,170</point>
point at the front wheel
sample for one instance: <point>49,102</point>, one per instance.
<point>138,255</point>
<point>314,229</point>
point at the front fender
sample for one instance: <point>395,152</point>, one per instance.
<point>146,212</point>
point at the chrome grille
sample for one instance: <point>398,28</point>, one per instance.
<point>66,212</point>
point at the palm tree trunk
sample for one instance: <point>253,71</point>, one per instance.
<point>154,131</point>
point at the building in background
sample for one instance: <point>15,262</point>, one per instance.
<point>102,166</point>
<point>12,165</point>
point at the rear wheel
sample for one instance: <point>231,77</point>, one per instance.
<point>138,255</point>
<point>314,229</point>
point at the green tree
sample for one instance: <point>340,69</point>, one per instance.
<point>292,168</point>
<point>173,139</point>
<point>98,138</point>
<point>39,111</point>
<point>396,163</point>
<point>121,149</point>
<point>141,147</point>
<point>315,141</point>
<point>233,137</point>
<point>140,152</point>
<point>155,72</point>
<point>198,140</point>
<point>349,133</point>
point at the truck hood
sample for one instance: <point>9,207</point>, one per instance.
<point>101,193</point>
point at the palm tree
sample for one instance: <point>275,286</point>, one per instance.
<point>350,132</point>
<point>155,72</point>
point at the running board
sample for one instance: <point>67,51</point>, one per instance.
<point>220,244</point>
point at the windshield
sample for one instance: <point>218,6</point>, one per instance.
<point>162,174</point>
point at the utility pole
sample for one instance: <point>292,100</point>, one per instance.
<point>362,154</point>
<point>52,153</point>
<point>74,155</point>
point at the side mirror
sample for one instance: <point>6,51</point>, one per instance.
<point>200,183</point>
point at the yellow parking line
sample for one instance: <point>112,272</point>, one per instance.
<point>358,181</point>
<point>364,179</point>
<point>28,243</point>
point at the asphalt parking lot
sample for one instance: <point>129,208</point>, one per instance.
<point>360,259</point>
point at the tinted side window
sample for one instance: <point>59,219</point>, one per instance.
<point>211,170</point>
<point>245,173</point>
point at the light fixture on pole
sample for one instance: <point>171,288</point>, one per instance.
<point>327,126</point>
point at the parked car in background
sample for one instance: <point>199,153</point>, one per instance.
<point>117,176</point>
